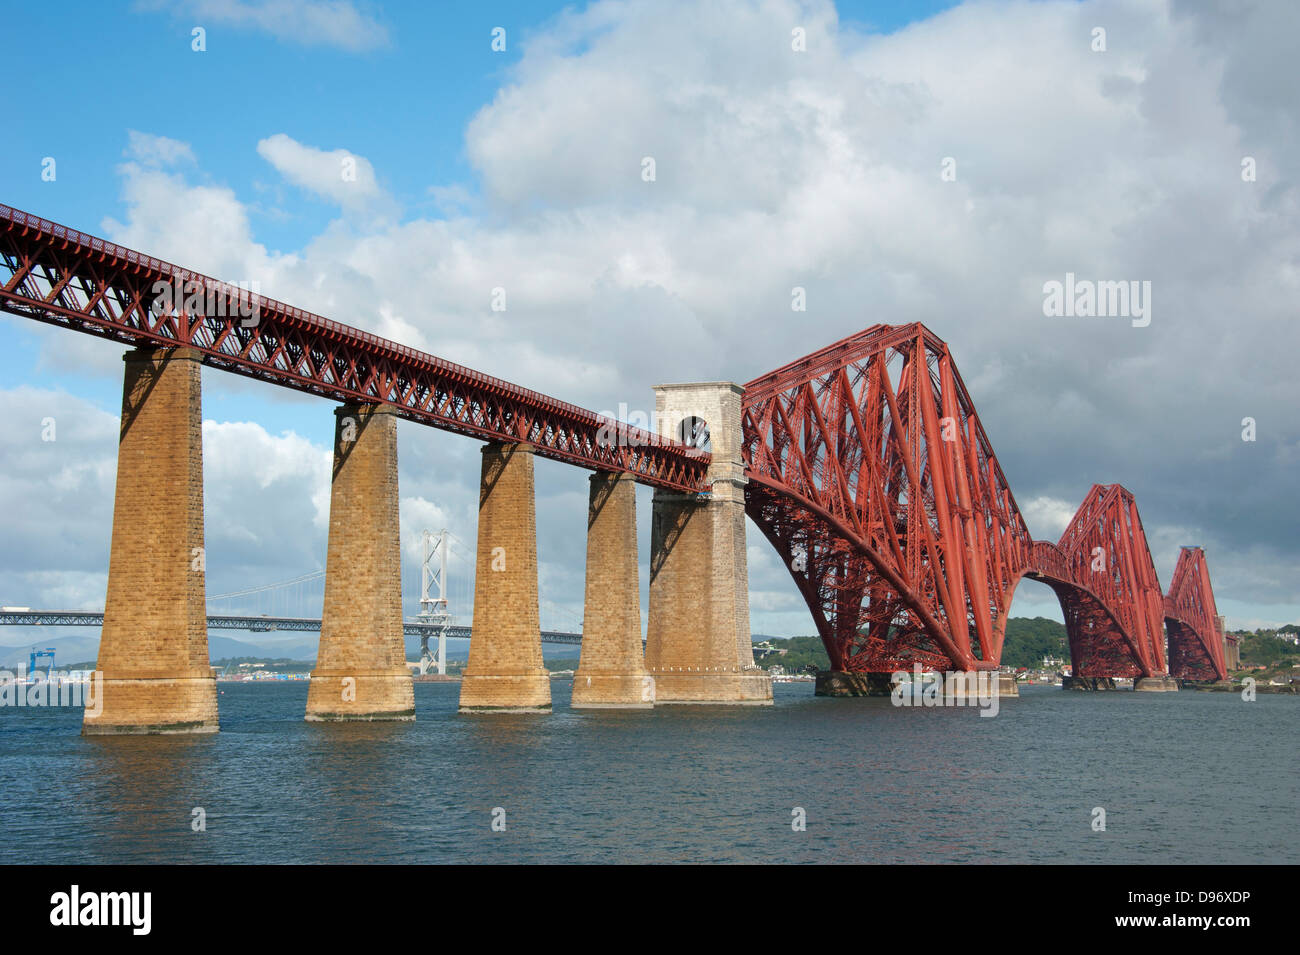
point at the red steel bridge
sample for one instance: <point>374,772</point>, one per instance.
<point>868,467</point>
<point>867,461</point>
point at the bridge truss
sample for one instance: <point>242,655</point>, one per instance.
<point>871,474</point>
<point>63,277</point>
<point>868,467</point>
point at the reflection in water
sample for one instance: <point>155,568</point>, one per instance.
<point>877,783</point>
<point>142,787</point>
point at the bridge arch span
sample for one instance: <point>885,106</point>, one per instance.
<point>869,471</point>
<point>1197,641</point>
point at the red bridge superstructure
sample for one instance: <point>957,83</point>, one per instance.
<point>870,473</point>
<point>1196,636</point>
<point>865,464</point>
<point>64,277</point>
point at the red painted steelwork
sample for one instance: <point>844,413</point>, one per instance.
<point>1196,640</point>
<point>870,473</point>
<point>868,467</point>
<point>67,278</point>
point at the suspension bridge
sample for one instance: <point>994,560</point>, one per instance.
<point>435,622</point>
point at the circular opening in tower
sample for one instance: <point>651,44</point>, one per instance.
<point>694,433</point>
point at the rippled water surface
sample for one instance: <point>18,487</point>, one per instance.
<point>1184,777</point>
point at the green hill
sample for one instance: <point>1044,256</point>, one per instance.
<point>1028,640</point>
<point>1266,648</point>
<point>800,652</point>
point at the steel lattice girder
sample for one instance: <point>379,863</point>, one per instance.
<point>870,473</point>
<point>1196,650</point>
<point>868,467</point>
<point>1106,552</point>
<point>67,278</point>
<point>870,470</point>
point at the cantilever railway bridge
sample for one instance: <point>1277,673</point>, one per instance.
<point>866,463</point>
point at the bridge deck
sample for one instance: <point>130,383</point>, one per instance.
<point>54,274</point>
<point>90,618</point>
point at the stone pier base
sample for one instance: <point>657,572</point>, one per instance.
<point>611,672</point>
<point>1087,683</point>
<point>843,683</point>
<point>1156,684</point>
<point>505,673</point>
<point>957,684</point>
<point>699,647</point>
<point>1212,686</point>
<point>525,692</point>
<point>155,706</point>
<point>613,691</point>
<point>153,651</point>
<point>971,684</point>
<point>733,688</point>
<point>697,608</point>
<point>360,671</point>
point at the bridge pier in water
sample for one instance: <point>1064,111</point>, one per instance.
<point>957,684</point>
<point>1088,684</point>
<point>505,673</point>
<point>962,684</point>
<point>153,651</point>
<point>1161,683</point>
<point>698,643</point>
<point>844,683</point>
<point>611,671</point>
<point>360,671</point>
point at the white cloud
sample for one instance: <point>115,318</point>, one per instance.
<point>241,461</point>
<point>57,497</point>
<point>202,227</point>
<point>417,516</point>
<point>154,150</point>
<point>338,175</point>
<point>336,23</point>
<point>1048,517</point>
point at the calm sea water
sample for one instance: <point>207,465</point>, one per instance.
<point>1183,777</point>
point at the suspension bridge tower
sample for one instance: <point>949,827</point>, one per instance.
<point>434,610</point>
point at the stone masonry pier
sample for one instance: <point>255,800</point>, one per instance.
<point>361,669</point>
<point>698,643</point>
<point>611,672</point>
<point>505,671</point>
<point>153,652</point>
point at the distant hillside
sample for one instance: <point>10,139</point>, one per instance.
<point>1028,640</point>
<point>1265,648</point>
<point>800,652</point>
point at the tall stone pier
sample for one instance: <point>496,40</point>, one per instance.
<point>698,644</point>
<point>360,671</point>
<point>153,652</point>
<point>505,672</point>
<point>611,672</point>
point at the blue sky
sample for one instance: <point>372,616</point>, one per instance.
<point>404,101</point>
<point>519,168</point>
